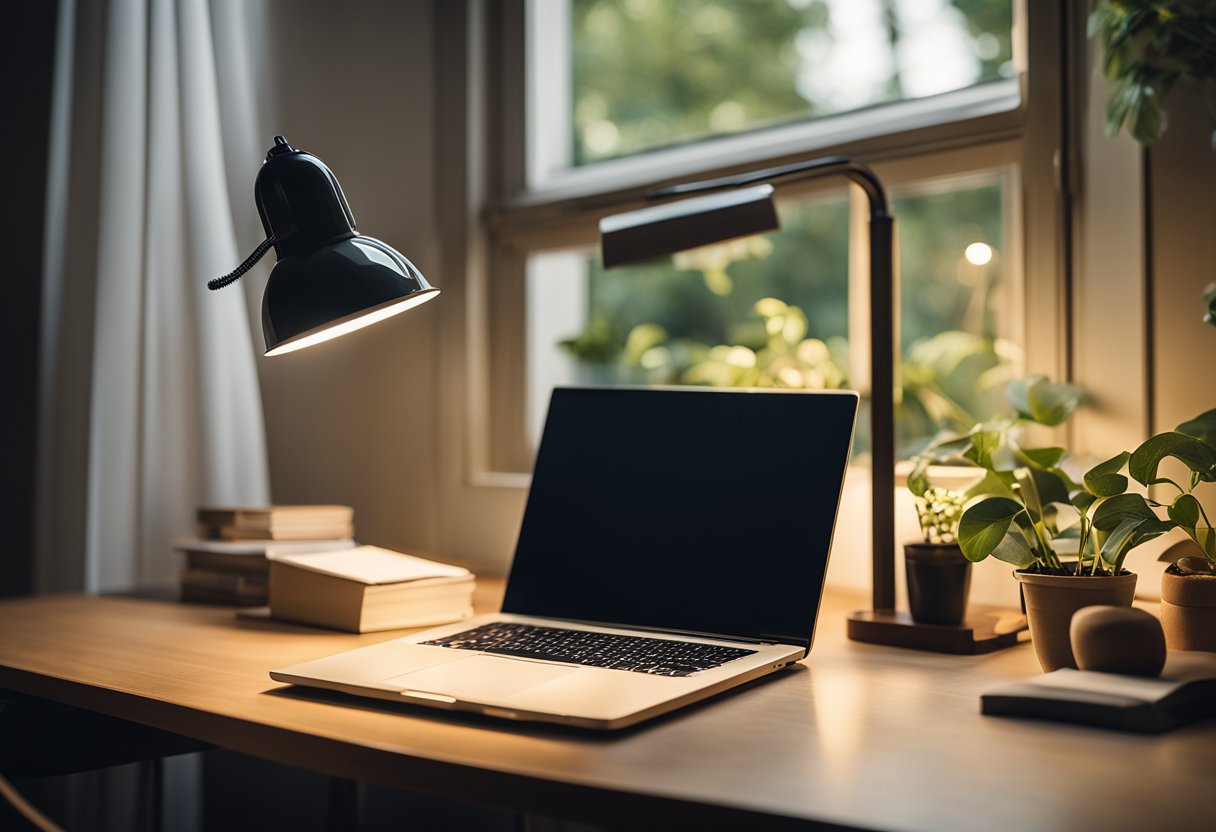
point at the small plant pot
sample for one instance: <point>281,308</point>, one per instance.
<point>1051,600</point>
<point>1188,611</point>
<point>939,579</point>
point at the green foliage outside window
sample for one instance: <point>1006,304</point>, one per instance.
<point>652,73</point>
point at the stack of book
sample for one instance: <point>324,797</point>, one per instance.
<point>228,563</point>
<point>366,589</point>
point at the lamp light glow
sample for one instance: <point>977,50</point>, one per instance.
<point>358,321</point>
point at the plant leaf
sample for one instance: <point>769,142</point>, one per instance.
<point>994,484</point>
<point>1042,457</point>
<point>983,444</point>
<point>1115,549</point>
<point>1039,400</point>
<point>1199,456</point>
<point>1029,489</point>
<point>1203,426</point>
<point>1104,479</point>
<point>1082,500</point>
<point>1185,512</point>
<point>1118,540</point>
<point>1053,485</point>
<point>918,478</point>
<point>1062,518</point>
<point>984,524</point>
<point>1114,510</point>
<point>1013,549</point>
<point>947,448</point>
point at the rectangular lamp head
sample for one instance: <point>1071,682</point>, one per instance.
<point>676,226</point>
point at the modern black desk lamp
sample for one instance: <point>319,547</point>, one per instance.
<point>329,279</point>
<point>739,205</point>
<point>745,206</point>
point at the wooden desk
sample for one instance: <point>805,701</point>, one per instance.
<point>862,736</point>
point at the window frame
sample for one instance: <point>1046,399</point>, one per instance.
<point>493,219</point>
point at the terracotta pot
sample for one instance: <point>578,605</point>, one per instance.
<point>1052,599</point>
<point>939,579</point>
<point>1188,611</point>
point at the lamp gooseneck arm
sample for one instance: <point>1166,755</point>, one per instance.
<point>859,172</point>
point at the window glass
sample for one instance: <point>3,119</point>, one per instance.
<point>774,310</point>
<point>959,307</point>
<point>647,74</point>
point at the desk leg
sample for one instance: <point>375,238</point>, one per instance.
<point>345,805</point>
<point>151,795</point>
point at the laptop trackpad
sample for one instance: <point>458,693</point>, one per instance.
<point>481,678</point>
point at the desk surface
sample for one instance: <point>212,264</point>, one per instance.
<point>860,735</point>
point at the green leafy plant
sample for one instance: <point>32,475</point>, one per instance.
<point>938,510</point>
<point>1149,48</point>
<point>1026,509</point>
<point>1130,518</point>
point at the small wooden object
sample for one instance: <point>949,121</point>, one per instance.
<point>984,630</point>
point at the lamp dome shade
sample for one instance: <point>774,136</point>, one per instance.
<point>329,279</point>
<point>336,289</point>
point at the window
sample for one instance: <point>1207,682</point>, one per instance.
<point>947,112</point>
<point>775,310</point>
<point>646,74</point>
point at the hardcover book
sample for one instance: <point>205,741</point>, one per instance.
<point>1184,693</point>
<point>367,588</point>
<point>313,522</point>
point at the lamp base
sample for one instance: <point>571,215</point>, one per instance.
<point>985,630</point>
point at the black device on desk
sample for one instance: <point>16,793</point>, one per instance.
<point>674,544</point>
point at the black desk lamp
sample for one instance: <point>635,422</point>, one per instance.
<point>329,279</point>
<point>739,205</point>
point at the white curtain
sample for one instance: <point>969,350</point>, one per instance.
<point>150,395</point>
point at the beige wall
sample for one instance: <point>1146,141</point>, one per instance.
<point>1182,205</point>
<point>355,420</point>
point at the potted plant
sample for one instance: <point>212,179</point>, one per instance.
<point>938,575</point>
<point>1188,587</point>
<point>1033,515</point>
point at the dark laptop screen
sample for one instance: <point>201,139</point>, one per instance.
<point>684,509</point>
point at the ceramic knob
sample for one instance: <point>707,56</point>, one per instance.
<point>1118,640</point>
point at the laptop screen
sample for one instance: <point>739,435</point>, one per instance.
<point>688,509</point>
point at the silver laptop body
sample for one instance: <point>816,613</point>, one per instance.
<point>691,525</point>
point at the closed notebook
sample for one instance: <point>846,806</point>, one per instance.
<point>367,588</point>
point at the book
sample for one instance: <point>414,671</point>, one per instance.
<point>367,589</point>
<point>207,587</point>
<point>313,522</point>
<point>1184,693</point>
<point>250,556</point>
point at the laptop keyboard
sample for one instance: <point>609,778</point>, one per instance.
<point>662,657</point>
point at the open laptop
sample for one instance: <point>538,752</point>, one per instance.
<point>674,545</point>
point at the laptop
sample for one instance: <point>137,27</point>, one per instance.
<point>673,546</point>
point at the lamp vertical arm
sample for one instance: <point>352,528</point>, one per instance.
<point>884,294</point>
